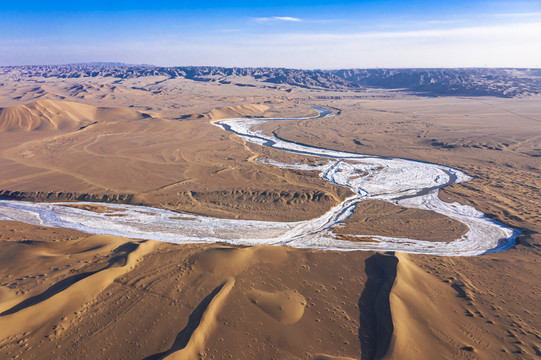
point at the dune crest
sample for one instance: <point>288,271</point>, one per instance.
<point>59,115</point>
<point>227,112</point>
<point>418,302</point>
<point>206,324</point>
<point>329,357</point>
<point>233,261</point>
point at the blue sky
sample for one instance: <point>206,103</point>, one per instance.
<point>301,34</point>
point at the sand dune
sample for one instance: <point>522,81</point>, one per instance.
<point>267,109</point>
<point>329,357</point>
<point>69,294</point>
<point>205,326</point>
<point>418,301</point>
<point>229,262</point>
<point>59,115</point>
<point>237,111</point>
<point>46,115</point>
<point>456,316</point>
<point>178,301</point>
<point>286,306</point>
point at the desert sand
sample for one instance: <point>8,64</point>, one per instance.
<point>66,294</point>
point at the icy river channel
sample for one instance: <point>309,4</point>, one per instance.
<point>407,183</point>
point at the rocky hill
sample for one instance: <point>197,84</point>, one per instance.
<point>433,82</point>
<point>470,82</point>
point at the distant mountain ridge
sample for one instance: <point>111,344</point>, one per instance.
<point>501,82</point>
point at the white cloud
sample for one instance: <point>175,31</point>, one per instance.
<point>523,30</point>
<point>277,18</point>
<point>511,45</point>
<point>519,15</point>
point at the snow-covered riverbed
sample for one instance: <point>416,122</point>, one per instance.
<point>402,182</point>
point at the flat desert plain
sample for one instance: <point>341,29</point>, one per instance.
<point>150,141</point>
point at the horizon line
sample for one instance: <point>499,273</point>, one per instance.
<point>113,64</point>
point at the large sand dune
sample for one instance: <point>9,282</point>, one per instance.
<point>59,115</point>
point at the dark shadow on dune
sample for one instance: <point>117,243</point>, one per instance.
<point>376,323</point>
<point>194,320</point>
<point>115,261</point>
<point>50,292</point>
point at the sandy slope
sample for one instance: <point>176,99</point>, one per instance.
<point>106,297</point>
<point>59,115</point>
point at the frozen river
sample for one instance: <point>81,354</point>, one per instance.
<point>402,182</point>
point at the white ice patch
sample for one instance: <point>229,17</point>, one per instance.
<point>402,182</point>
